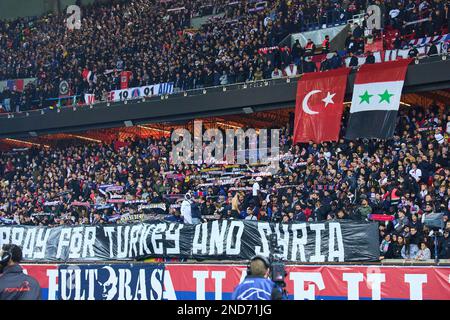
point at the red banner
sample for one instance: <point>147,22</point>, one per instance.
<point>319,105</point>
<point>47,276</point>
<point>376,45</point>
<point>381,217</point>
<point>217,282</point>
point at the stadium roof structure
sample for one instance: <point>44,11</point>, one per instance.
<point>264,119</point>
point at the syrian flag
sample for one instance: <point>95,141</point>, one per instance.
<point>319,105</point>
<point>376,99</point>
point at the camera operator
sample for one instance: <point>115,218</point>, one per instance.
<point>14,284</point>
<point>257,285</point>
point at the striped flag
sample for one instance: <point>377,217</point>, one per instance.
<point>376,99</point>
<point>427,40</point>
<point>89,75</point>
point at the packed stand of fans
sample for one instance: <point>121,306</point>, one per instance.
<point>156,45</point>
<point>406,178</point>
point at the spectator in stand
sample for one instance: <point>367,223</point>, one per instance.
<point>250,215</point>
<point>175,216</point>
<point>402,221</point>
<point>370,58</point>
<point>341,215</point>
<point>432,51</point>
<point>397,44</point>
<point>297,52</point>
<point>258,74</point>
<point>415,172</point>
<point>363,211</point>
<point>335,61</point>
<point>291,70</point>
<point>386,247</point>
<point>417,224</point>
<point>351,45</point>
<point>223,80</point>
<point>276,74</point>
<point>424,253</point>
<point>397,247</point>
<point>444,245</point>
<point>413,52</point>
<point>353,61</point>
<point>326,44</point>
<point>309,65</point>
<point>263,216</point>
<point>325,64</point>
<point>310,48</point>
<point>358,32</point>
<point>409,250</point>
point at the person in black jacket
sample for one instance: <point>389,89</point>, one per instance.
<point>14,284</point>
<point>353,60</point>
<point>415,237</point>
<point>358,32</point>
<point>370,59</point>
<point>413,52</point>
<point>196,211</point>
<point>395,251</point>
<point>309,65</point>
<point>432,51</point>
<point>325,65</point>
<point>444,245</point>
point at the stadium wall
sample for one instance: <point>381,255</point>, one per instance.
<point>217,281</point>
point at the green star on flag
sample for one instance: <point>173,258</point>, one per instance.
<point>365,97</point>
<point>386,96</point>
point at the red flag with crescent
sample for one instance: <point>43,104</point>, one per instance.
<point>319,105</point>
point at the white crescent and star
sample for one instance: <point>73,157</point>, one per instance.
<point>327,100</point>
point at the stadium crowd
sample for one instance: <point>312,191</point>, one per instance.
<point>405,178</point>
<point>152,40</point>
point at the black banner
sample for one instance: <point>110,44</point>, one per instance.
<point>220,239</point>
<point>138,281</point>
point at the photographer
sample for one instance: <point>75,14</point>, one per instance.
<point>257,285</point>
<point>14,284</point>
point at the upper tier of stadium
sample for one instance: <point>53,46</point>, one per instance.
<point>155,42</point>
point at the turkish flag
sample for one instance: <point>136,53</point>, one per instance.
<point>319,105</point>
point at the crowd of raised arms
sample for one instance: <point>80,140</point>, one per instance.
<point>407,178</point>
<point>157,45</point>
